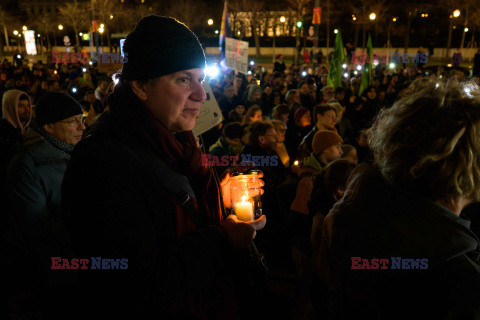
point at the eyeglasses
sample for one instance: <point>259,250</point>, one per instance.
<point>76,121</point>
<point>332,117</point>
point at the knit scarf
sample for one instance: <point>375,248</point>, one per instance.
<point>179,150</point>
<point>57,143</point>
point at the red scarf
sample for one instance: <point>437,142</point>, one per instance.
<point>179,150</point>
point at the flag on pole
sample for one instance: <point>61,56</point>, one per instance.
<point>367,68</point>
<point>335,75</point>
<point>224,32</point>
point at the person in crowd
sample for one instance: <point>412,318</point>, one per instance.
<point>155,204</point>
<point>305,96</point>
<point>395,211</point>
<point>254,114</point>
<point>327,94</point>
<point>340,96</point>
<point>34,180</point>
<point>325,116</point>
<point>327,148</point>
<point>476,64</point>
<point>349,153</point>
<point>280,129</point>
<point>281,113</point>
<point>239,84</point>
<point>359,141</point>
<point>93,101</point>
<point>261,144</point>
<point>457,58</point>
<point>101,90</point>
<point>344,126</point>
<point>292,96</point>
<point>229,100</point>
<point>254,96</point>
<point>296,132</point>
<point>237,114</point>
<point>229,144</point>
<point>16,117</point>
<point>279,65</point>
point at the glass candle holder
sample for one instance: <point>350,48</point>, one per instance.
<point>245,196</point>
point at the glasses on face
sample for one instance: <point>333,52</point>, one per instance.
<point>332,117</point>
<point>75,121</point>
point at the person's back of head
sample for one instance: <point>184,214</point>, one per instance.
<point>428,141</point>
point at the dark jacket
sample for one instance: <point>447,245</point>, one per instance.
<point>34,183</point>
<point>133,216</point>
<point>378,220</point>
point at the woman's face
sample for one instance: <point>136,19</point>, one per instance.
<point>305,120</point>
<point>372,94</point>
<point>304,89</point>
<point>240,109</point>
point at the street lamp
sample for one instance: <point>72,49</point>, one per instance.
<point>101,30</point>
<point>354,18</point>
<point>216,31</point>
<point>335,31</point>
<point>372,16</point>
<point>466,29</point>
<point>15,32</point>
<point>60,27</point>
<point>394,19</point>
<point>210,22</point>
<point>282,19</point>
<point>24,28</point>
<point>111,17</point>
<point>456,13</point>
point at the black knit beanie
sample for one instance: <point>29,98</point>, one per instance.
<point>56,106</point>
<point>159,46</point>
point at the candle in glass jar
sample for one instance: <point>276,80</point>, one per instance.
<point>244,210</point>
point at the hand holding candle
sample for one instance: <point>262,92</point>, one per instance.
<point>255,188</point>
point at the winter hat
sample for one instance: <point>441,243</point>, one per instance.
<point>159,46</point>
<point>324,139</point>
<point>56,106</point>
<point>299,113</point>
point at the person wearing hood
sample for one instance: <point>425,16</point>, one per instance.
<point>16,116</point>
<point>396,245</point>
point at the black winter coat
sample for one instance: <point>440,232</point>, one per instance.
<point>131,215</point>
<point>378,220</point>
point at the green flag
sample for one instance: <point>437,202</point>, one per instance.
<point>335,75</point>
<point>367,68</point>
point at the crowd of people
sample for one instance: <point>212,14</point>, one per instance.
<point>98,168</point>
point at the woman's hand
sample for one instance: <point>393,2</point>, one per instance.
<point>241,233</point>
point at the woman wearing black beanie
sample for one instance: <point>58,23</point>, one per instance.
<point>156,204</point>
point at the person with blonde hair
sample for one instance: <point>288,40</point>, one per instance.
<point>396,244</point>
